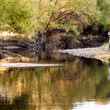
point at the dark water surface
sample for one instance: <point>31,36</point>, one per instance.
<point>76,86</point>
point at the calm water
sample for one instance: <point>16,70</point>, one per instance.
<point>81,85</point>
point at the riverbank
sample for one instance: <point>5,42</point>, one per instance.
<point>14,47</point>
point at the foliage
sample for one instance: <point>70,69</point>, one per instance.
<point>104,7</point>
<point>69,15</point>
<point>15,15</point>
<point>41,15</point>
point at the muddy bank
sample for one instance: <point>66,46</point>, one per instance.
<point>45,44</point>
<point>15,50</point>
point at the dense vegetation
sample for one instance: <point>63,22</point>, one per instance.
<point>15,15</point>
<point>40,15</point>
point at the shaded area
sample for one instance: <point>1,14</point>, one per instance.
<point>19,103</point>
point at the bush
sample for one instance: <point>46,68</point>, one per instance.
<point>15,15</point>
<point>104,7</point>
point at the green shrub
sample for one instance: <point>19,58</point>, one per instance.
<point>104,7</point>
<point>15,15</point>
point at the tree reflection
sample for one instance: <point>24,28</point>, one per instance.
<point>54,88</point>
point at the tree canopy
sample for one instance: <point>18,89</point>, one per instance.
<point>39,15</point>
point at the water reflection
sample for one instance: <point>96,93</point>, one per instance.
<point>57,88</point>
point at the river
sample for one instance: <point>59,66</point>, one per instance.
<point>78,85</point>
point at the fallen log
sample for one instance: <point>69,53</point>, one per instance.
<point>27,65</point>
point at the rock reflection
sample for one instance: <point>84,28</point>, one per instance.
<point>54,88</point>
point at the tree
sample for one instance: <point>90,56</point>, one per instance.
<point>67,14</point>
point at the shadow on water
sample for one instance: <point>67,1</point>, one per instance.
<point>56,88</point>
<point>19,103</point>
